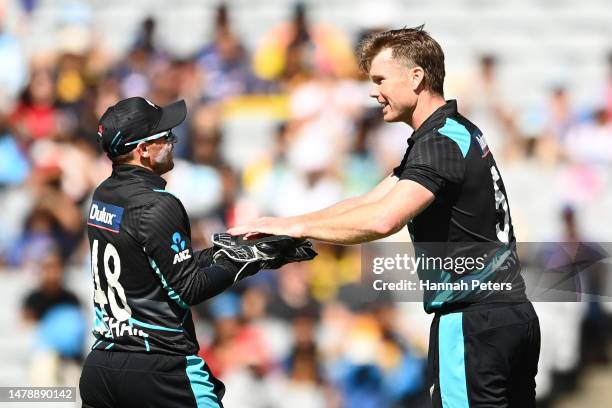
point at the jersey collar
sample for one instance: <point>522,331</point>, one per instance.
<point>436,119</point>
<point>125,171</point>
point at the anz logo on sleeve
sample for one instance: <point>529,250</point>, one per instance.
<point>105,216</point>
<point>178,247</point>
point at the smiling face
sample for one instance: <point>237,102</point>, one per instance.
<point>394,86</point>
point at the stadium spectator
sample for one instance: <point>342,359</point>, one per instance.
<point>225,313</point>
<point>225,63</point>
<point>291,51</point>
<point>60,333</point>
<point>590,142</point>
<point>50,217</point>
<point>361,167</point>
<point>145,38</point>
<point>556,120</point>
<point>134,73</point>
<point>375,369</point>
<point>51,291</point>
<point>560,116</point>
<point>292,297</point>
<point>304,384</point>
<point>484,103</point>
<point>35,116</point>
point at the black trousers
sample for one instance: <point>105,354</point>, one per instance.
<point>123,379</point>
<point>485,357</point>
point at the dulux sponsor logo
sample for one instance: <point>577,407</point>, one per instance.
<point>101,215</point>
<point>105,216</point>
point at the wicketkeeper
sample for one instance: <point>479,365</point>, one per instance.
<point>146,274</point>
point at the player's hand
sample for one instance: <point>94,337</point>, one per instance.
<point>267,225</point>
<point>267,252</point>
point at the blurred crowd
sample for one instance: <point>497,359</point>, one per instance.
<point>303,334</point>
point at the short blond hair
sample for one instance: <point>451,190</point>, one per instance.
<point>413,46</point>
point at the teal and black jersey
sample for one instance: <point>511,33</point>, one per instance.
<point>449,156</point>
<point>145,272</point>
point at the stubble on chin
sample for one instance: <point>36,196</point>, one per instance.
<point>164,162</point>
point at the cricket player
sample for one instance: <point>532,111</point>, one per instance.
<point>146,275</point>
<point>484,344</point>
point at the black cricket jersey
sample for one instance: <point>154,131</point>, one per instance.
<point>145,272</point>
<point>470,215</point>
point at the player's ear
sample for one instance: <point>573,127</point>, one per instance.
<point>416,77</point>
<point>143,149</point>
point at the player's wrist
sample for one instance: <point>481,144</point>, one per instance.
<point>298,228</point>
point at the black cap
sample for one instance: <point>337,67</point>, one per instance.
<point>134,119</point>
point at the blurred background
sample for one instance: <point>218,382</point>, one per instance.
<point>280,123</point>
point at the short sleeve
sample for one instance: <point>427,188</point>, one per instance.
<point>434,161</point>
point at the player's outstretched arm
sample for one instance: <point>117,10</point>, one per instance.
<point>382,189</point>
<point>190,278</point>
<point>367,222</point>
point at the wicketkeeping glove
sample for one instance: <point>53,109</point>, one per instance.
<point>271,251</point>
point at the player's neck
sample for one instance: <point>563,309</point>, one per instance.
<point>427,104</point>
<point>138,161</point>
